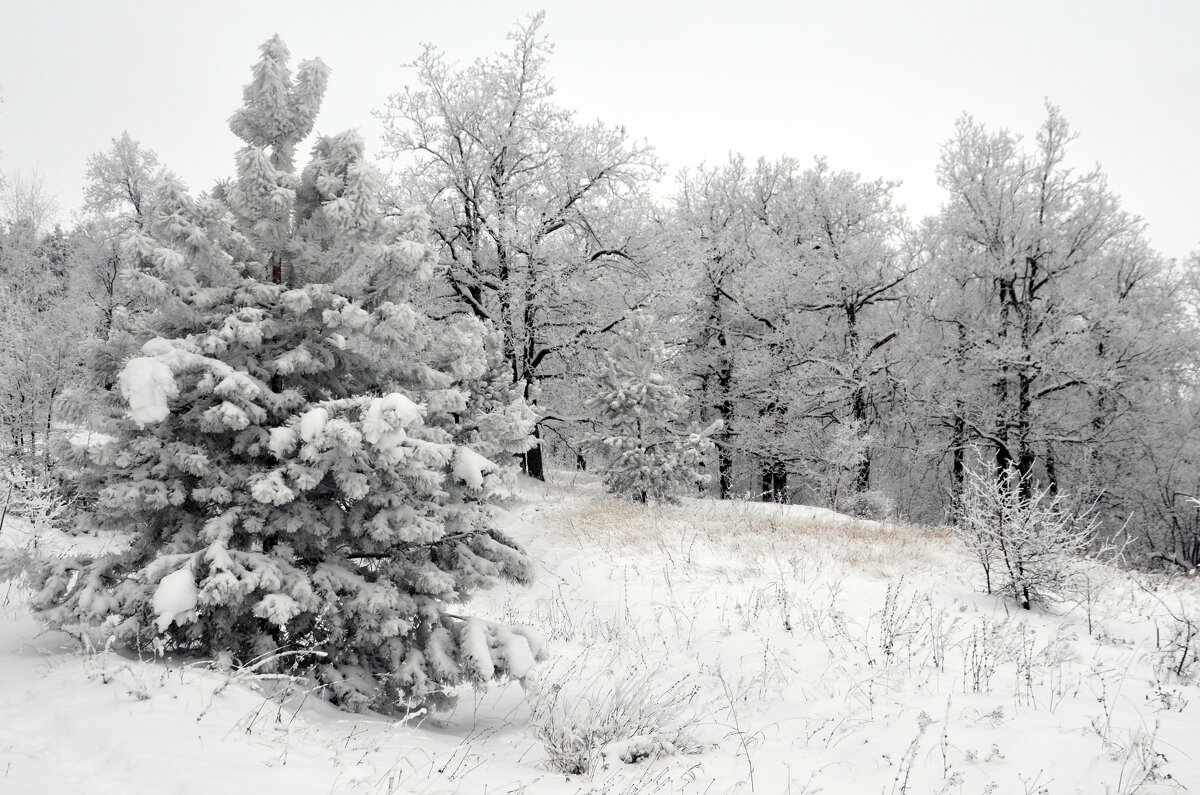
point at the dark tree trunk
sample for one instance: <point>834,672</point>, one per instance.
<point>958,446</point>
<point>529,357</point>
<point>1051,471</point>
<point>276,264</point>
<point>724,471</point>
<point>724,403</point>
<point>858,399</point>
<point>723,442</point>
<point>862,472</point>
<point>1025,454</point>
<point>531,459</point>
<point>774,482</point>
<point>1004,459</point>
<point>49,424</point>
<point>958,468</point>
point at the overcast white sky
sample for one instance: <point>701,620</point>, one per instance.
<point>875,87</point>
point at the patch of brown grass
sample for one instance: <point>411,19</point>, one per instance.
<point>747,536</point>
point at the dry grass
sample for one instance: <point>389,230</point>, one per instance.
<point>749,535</point>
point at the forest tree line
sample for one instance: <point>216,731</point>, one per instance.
<point>855,358</point>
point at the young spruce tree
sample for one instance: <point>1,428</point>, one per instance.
<point>287,433</point>
<point>648,456</point>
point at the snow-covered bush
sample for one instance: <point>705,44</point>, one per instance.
<point>287,433</point>
<point>648,456</point>
<point>34,496</point>
<point>870,504</point>
<point>627,716</point>
<point>835,462</point>
<point>1025,534</point>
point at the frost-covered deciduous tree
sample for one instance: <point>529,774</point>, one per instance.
<point>286,455</point>
<point>119,195</point>
<point>1060,325</point>
<point>537,215</point>
<point>829,281</point>
<point>647,454</point>
<point>714,233</point>
<point>795,273</point>
<point>1031,232</point>
<point>40,328</point>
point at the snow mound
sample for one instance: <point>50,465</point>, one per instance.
<point>176,594</point>
<point>147,384</point>
<point>312,423</point>
<point>632,750</point>
<point>470,466</point>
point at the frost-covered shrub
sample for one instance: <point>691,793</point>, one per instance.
<point>627,717</point>
<point>1179,648</point>
<point>289,436</point>
<point>874,505</point>
<point>837,471</point>
<point>34,496</point>
<point>1027,536</point>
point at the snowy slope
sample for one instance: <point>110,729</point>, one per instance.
<point>707,647</point>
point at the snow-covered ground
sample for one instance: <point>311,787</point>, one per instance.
<point>701,648</point>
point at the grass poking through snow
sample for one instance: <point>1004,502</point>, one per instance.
<point>699,648</point>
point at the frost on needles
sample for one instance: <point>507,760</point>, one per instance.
<point>648,457</point>
<point>298,458</point>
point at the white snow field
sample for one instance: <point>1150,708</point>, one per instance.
<point>701,648</point>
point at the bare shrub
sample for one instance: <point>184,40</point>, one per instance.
<point>1178,642</point>
<point>874,505</point>
<point>628,715</point>
<point>35,497</point>
<point>982,652</point>
<point>1025,535</point>
<point>1142,764</point>
<point>899,625</point>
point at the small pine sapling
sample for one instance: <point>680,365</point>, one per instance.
<point>648,456</point>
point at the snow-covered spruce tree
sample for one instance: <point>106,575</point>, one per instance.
<point>285,454</point>
<point>648,457</point>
